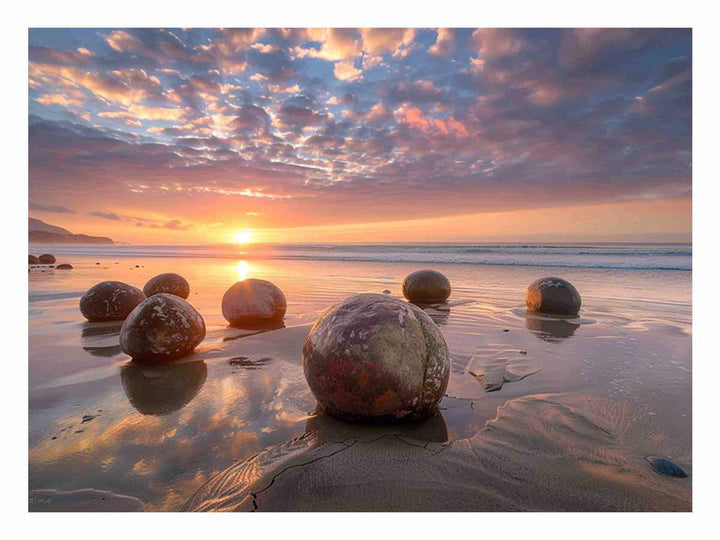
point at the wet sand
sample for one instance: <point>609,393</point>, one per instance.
<point>540,414</point>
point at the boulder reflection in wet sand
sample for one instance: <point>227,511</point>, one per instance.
<point>257,327</point>
<point>101,339</point>
<point>162,390</point>
<point>439,313</point>
<point>326,428</point>
<point>551,329</point>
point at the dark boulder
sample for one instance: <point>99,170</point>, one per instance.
<point>32,259</point>
<point>167,283</point>
<point>64,267</point>
<point>252,301</point>
<point>162,329</point>
<point>553,295</point>
<point>110,301</point>
<point>373,357</point>
<point>46,258</point>
<point>426,286</point>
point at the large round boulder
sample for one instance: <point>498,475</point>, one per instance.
<point>253,301</point>
<point>553,295</point>
<point>376,358</point>
<point>64,266</point>
<point>110,301</point>
<point>46,258</point>
<point>32,259</point>
<point>161,329</point>
<point>426,287</point>
<point>167,283</point>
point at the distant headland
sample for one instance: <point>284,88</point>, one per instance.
<point>40,232</point>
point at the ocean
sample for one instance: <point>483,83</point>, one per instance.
<point>677,256</point>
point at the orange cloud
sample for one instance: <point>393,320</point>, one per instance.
<point>346,71</point>
<point>414,117</point>
<point>496,42</point>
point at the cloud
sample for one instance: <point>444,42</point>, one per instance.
<point>51,208</point>
<point>112,216</point>
<point>444,43</point>
<point>346,71</point>
<point>496,42</point>
<point>379,41</point>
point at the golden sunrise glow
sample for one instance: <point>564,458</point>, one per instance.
<point>243,237</point>
<point>243,269</point>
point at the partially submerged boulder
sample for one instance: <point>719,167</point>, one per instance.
<point>64,267</point>
<point>373,357</point>
<point>252,301</point>
<point>170,283</point>
<point>32,259</point>
<point>426,286</point>
<point>110,301</point>
<point>553,295</point>
<point>46,258</point>
<point>162,329</point>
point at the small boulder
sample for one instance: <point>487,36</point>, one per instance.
<point>64,267</point>
<point>376,358</point>
<point>161,329</point>
<point>110,301</point>
<point>32,259</point>
<point>553,295</point>
<point>252,301</point>
<point>46,258</point>
<point>167,283</point>
<point>426,286</point>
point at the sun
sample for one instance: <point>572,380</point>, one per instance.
<point>243,237</point>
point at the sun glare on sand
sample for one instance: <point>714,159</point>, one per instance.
<point>243,237</point>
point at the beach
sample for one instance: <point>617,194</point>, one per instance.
<point>539,414</point>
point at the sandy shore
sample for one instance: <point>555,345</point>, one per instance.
<point>539,414</point>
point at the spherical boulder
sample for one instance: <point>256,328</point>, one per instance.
<point>110,301</point>
<point>64,267</point>
<point>376,358</point>
<point>161,329</point>
<point>426,286</point>
<point>46,258</point>
<point>253,301</point>
<point>32,259</point>
<point>553,295</point>
<point>167,283</point>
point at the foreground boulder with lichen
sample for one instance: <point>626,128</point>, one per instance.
<point>553,295</point>
<point>162,329</point>
<point>110,301</point>
<point>376,358</point>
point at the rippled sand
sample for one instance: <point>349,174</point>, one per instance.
<point>540,414</point>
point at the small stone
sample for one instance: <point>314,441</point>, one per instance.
<point>666,467</point>
<point>506,329</point>
<point>373,357</point>
<point>88,418</point>
<point>32,259</point>
<point>426,286</point>
<point>167,283</point>
<point>553,295</point>
<point>252,301</point>
<point>64,267</point>
<point>386,291</point>
<point>46,258</point>
<point>97,263</point>
<point>110,301</point>
<point>161,329</point>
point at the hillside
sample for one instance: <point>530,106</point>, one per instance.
<point>40,232</point>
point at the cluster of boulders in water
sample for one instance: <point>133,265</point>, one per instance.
<point>370,357</point>
<point>47,259</point>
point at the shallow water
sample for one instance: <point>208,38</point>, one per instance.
<point>101,425</point>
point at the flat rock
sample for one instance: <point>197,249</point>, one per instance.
<point>110,301</point>
<point>162,329</point>
<point>167,283</point>
<point>376,358</point>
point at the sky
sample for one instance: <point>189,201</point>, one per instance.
<point>181,136</point>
